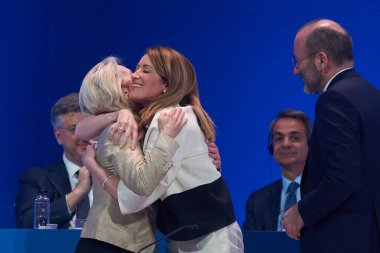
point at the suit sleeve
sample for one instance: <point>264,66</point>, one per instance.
<point>140,173</point>
<point>338,131</point>
<point>30,182</point>
<point>28,188</point>
<point>250,221</point>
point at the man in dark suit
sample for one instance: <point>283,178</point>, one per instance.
<point>289,136</point>
<point>340,206</point>
<point>65,188</point>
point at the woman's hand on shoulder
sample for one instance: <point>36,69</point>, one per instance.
<point>171,123</point>
<point>126,126</point>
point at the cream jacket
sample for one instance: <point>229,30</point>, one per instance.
<point>105,221</point>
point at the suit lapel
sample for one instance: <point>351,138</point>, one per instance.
<point>277,191</point>
<point>272,217</point>
<point>59,177</point>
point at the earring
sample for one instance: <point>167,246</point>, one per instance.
<point>163,92</point>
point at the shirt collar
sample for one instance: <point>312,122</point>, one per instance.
<point>71,167</point>
<point>286,182</point>
<point>328,83</point>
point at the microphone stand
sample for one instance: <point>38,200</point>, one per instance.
<point>193,226</point>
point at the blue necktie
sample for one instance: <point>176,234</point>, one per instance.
<point>291,198</point>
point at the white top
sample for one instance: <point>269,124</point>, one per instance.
<point>192,166</point>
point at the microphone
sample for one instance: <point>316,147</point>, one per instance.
<point>193,226</point>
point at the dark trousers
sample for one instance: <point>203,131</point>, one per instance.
<point>86,245</point>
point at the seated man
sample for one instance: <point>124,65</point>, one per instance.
<point>288,141</point>
<point>67,184</point>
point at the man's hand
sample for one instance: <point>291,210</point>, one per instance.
<point>293,222</point>
<point>81,190</point>
<point>88,157</point>
<point>213,152</point>
<point>84,180</point>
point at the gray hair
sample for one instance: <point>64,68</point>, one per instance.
<point>296,115</point>
<point>337,44</point>
<point>64,105</point>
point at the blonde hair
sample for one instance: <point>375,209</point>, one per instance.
<point>101,91</point>
<point>179,74</point>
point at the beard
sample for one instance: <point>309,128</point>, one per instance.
<point>312,79</point>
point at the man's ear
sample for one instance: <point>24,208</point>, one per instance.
<point>322,61</point>
<point>58,136</point>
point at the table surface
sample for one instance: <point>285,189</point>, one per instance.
<point>65,241</point>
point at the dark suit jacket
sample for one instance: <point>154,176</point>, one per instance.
<point>55,180</point>
<point>263,207</point>
<point>340,185</point>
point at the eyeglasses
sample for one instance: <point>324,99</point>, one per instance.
<point>296,61</point>
<point>70,129</point>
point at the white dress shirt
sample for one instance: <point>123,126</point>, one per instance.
<point>285,184</point>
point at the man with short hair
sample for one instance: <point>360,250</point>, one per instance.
<point>340,206</point>
<point>67,183</point>
<point>288,141</point>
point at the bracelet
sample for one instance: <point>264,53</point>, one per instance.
<point>105,180</point>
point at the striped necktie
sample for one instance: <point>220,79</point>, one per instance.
<point>291,198</point>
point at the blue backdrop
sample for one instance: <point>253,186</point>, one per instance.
<point>241,50</point>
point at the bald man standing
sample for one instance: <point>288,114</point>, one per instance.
<point>339,209</point>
